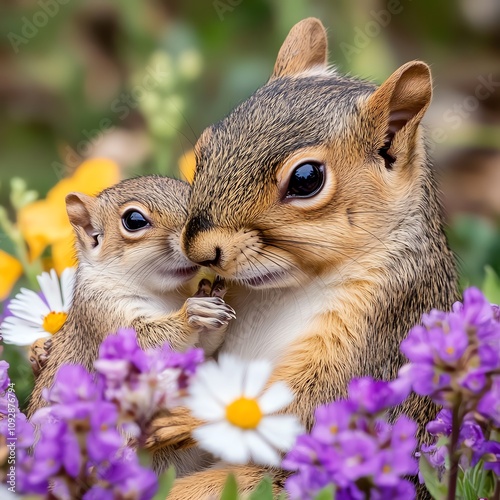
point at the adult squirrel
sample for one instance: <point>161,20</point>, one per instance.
<point>130,270</point>
<point>316,198</point>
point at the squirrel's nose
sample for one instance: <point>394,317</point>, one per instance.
<point>212,262</point>
<point>199,252</point>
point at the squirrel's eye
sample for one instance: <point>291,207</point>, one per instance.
<point>307,179</point>
<point>134,220</point>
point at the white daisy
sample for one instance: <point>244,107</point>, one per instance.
<point>34,316</point>
<point>240,427</point>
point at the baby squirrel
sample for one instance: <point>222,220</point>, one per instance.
<point>316,198</point>
<point>130,270</point>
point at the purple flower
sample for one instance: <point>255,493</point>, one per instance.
<point>377,395</point>
<point>4,376</point>
<point>489,452</point>
<point>305,486</point>
<point>416,345</point>
<point>471,434</point>
<point>496,312</point>
<point>124,478</point>
<point>73,384</point>
<point>393,466</point>
<point>57,450</point>
<point>442,424</point>
<point>353,447</point>
<point>305,454</point>
<point>331,420</point>
<point>453,355</point>
<point>401,490</point>
<point>489,405</point>
<point>119,351</point>
<point>475,309</point>
<point>104,440</point>
<point>436,455</point>
<point>403,439</point>
<point>358,456</point>
<point>470,440</point>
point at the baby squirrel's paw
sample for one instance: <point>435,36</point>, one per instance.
<point>207,309</point>
<point>39,354</point>
<point>172,428</point>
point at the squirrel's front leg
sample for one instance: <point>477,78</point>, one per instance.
<point>202,319</point>
<point>39,355</point>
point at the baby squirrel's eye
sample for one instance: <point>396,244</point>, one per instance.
<point>134,220</point>
<point>307,180</point>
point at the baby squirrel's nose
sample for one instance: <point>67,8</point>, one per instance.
<point>198,249</point>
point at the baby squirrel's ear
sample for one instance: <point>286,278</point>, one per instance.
<point>401,101</point>
<point>305,47</point>
<point>79,206</point>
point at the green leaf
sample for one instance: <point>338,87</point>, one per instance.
<point>476,483</point>
<point>436,488</point>
<point>327,493</point>
<point>263,491</point>
<point>230,491</point>
<point>491,285</point>
<point>165,483</point>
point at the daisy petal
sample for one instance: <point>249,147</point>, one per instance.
<point>19,332</point>
<point>234,371</point>
<point>27,300</point>
<point>224,440</point>
<point>49,284</point>
<point>67,285</point>
<point>280,430</point>
<point>277,397</point>
<point>257,374</point>
<point>28,316</point>
<point>260,451</point>
<point>209,376</point>
<point>203,405</point>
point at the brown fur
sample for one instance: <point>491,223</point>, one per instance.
<point>360,262</point>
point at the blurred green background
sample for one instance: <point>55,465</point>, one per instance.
<point>138,81</point>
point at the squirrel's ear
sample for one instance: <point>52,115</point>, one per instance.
<point>79,206</point>
<point>305,47</point>
<point>402,99</point>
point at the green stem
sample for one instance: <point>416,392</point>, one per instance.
<point>31,269</point>
<point>454,456</point>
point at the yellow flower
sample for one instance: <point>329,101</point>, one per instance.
<point>10,271</point>
<point>187,166</point>
<point>45,222</point>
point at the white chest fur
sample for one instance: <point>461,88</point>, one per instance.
<point>268,321</point>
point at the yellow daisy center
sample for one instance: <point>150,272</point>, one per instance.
<point>244,413</point>
<point>54,321</point>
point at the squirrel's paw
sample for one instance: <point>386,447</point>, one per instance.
<point>39,354</point>
<point>210,313</point>
<point>172,428</point>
